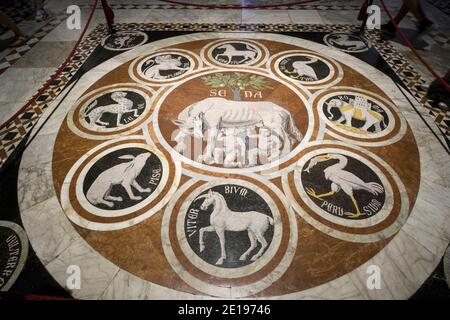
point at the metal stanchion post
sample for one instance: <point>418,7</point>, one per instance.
<point>109,15</point>
<point>363,25</point>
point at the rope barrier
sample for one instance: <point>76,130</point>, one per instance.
<point>414,51</point>
<point>20,296</point>
<point>56,74</point>
<point>237,6</point>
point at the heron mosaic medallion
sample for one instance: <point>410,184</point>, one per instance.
<point>232,165</point>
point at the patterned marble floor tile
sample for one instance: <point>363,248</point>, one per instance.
<point>405,238</point>
<point>306,16</point>
<point>265,16</point>
<point>30,79</point>
<point>339,17</point>
<point>73,152</point>
<point>46,54</point>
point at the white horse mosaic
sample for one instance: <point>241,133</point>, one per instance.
<point>223,219</point>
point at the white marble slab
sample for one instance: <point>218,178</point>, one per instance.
<point>96,271</point>
<point>342,288</point>
<point>404,265</point>
<point>51,239</point>
<point>35,185</point>
<point>131,15</point>
<point>126,286</point>
<point>45,54</point>
<point>19,84</point>
<point>194,16</point>
<point>63,33</point>
<point>8,109</point>
<point>339,16</point>
<point>265,16</point>
<point>305,17</point>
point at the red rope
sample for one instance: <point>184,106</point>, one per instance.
<point>20,296</point>
<point>409,44</point>
<point>237,6</point>
<point>56,74</point>
<point>109,14</point>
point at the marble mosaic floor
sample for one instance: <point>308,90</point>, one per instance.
<point>192,165</point>
<point>202,154</point>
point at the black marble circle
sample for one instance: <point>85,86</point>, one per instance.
<point>243,53</point>
<point>10,253</point>
<point>124,40</point>
<point>239,199</point>
<point>355,176</point>
<point>165,66</point>
<point>108,119</point>
<point>149,177</point>
<point>320,68</point>
<point>335,114</point>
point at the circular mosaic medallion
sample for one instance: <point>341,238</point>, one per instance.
<point>163,67</point>
<point>103,184</point>
<point>306,68</point>
<point>235,53</point>
<point>232,121</point>
<point>344,186</point>
<point>347,42</point>
<point>117,184</point>
<point>359,116</point>
<point>341,186</point>
<point>13,253</point>
<point>111,111</point>
<point>228,229</point>
<point>124,40</point>
<point>250,218</point>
